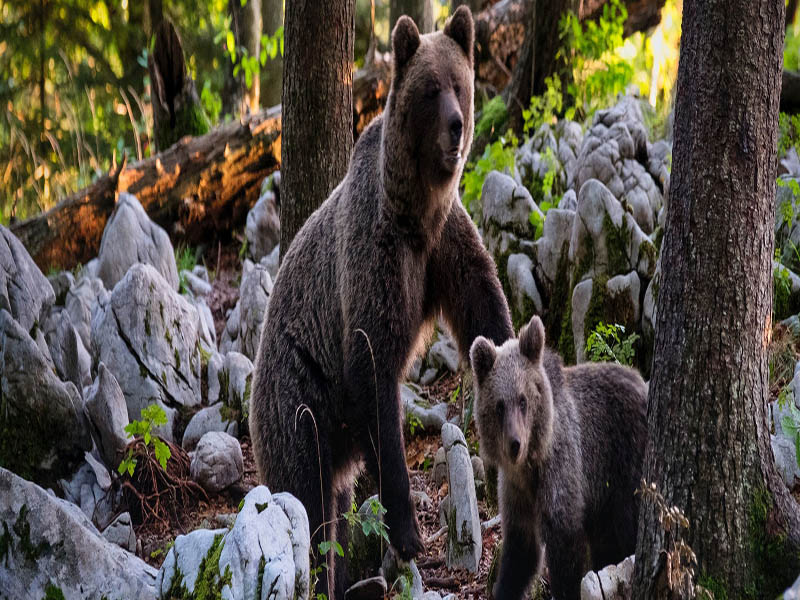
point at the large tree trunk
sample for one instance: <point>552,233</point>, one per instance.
<point>317,106</point>
<point>198,188</point>
<point>709,450</point>
<point>272,72</point>
<point>419,10</point>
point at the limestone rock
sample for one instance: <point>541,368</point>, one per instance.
<point>205,420</point>
<point>217,462</point>
<point>108,414</point>
<point>243,329</point>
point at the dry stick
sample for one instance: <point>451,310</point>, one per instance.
<point>436,535</point>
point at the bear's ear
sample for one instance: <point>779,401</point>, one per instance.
<point>461,28</point>
<point>405,41</point>
<point>531,340</point>
<point>482,356</point>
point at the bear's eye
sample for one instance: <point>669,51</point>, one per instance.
<point>431,91</point>
<point>500,408</point>
<point>457,89</point>
<point>523,403</point>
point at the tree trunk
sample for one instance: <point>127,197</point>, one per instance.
<point>272,72</point>
<point>198,188</point>
<point>237,97</point>
<point>317,106</point>
<point>709,451</point>
<point>419,10</point>
<point>474,5</point>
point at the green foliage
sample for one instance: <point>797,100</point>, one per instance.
<point>605,344</point>
<point>372,523</point>
<point>498,156</point>
<point>185,261</point>
<point>791,48</point>
<point>786,209</point>
<point>152,415</point>
<point>781,292</point>
<point>537,220</point>
<point>242,62</point>
<point>414,424</point>
<point>493,117</point>
<point>599,74</point>
<point>211,100</point>
<point>545,108</point>
<point>788,132</point>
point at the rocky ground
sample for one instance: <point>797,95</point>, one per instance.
<point>139,341</point>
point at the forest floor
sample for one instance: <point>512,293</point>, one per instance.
<point>421,447</point>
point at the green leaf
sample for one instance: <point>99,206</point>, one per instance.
<point>163,452</point>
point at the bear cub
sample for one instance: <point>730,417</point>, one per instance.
<point>568,444</point>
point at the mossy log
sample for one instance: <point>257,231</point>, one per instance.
<point>196,189</point>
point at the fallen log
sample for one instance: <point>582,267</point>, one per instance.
<point>196,189</point>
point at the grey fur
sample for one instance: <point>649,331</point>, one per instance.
<point>358,290</point>
<point>582,436</point>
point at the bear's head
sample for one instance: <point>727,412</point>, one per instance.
<point>427,127</point>
<point>514,401</point>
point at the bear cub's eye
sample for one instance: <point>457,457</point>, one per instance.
<point>500,408</point>
<point>523,403</point>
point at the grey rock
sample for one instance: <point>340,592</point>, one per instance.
<point>569,201</point>
<point>181,567</point>
<point>649,304</point>
<point>430,417</point>
<point>601,223</point>
<point>793,593</point>
<point>195,284</point>
<point>373,588</point>
<point>201,272</point>
<point>444,353</point>
<point>217,462</point>
<point>82,301</point>
<point>243,329</point>
<point>783,448</point>
<point>506,205</point>
<point>444,510</point>
<point>552,248</point>
<point>614,582</point>
<point>24,292</point>
<point>108,414</point>
<point>478,470</point>
<point>66,349</point>
<point>431,595</point>
<point>525,298</point>
<point>207,332</point>
<point>428,377</point>
<point>205,420</point>
<point>89,489</point>
<point>61,283</point>
<point>464,542</point>
<point>95,568</point>
<point>271,262</point>
<point>273,528</point>
<point>121,533</point>
<point>416,370</point>
<point>263,227</point>
<point>148,336</point>
<point>40,412</point>
<point>215,365</point>
<point>237,373</point>
<point>130,237</point>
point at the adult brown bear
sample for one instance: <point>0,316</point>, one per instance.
<point>368,273</point>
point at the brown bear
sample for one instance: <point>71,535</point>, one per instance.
<point>568,444</point>
<point>356,295</point>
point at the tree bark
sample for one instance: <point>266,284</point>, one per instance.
<point>317,106</point>
<point>419,10</point>
<point>199,187</point>
<point>272,72</point>
<point>237,97</point>
<point>709,449</point>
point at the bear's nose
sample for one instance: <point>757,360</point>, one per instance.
<point>514,449</point>
<point>456,127</point>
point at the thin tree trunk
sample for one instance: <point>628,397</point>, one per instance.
<point>709,450</point>
<point>237,96</point>
<point>419,10</point>
<point>272,72</point>
<point>474,5</point>
<point>317,106</point>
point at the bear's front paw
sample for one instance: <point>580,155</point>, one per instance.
<point>406,538</point>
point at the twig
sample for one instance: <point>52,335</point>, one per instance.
<point>436,535</point>
<point>491,523</point>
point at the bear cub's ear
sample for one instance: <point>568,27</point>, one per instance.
<point>461,28</point>
<point>405,41</point>
<point>531,340</point>
<point>482,356</point>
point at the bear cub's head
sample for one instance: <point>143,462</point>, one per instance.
<point>514,401</point>
<point>430,103</point>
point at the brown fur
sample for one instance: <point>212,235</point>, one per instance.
<point>387,252</point>
<point>569,445</point>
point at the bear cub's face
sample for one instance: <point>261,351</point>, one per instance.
<point>433,87</point>
<point>514,401</point>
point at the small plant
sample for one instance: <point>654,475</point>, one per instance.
<point>414,424</point>
<point>788,132</point>
<point>781,293</point>
<point>599,74</point>
<point>545,108</point>
<point>498,156</point>
<point>212,102</point>
<point>185,261</point>
<point>153,415</point>
<point>537,220</point>
<point>606,344</point>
